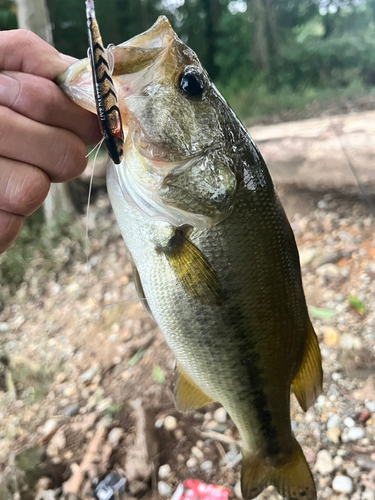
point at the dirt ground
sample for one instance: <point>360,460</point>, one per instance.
<point>85,374</point>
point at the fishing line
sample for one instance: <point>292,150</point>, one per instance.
<point>354,171</point>
<point>97,148</point>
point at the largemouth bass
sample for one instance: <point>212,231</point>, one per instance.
<point>215,258</point>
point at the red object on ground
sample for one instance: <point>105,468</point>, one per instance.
<point>193,489</point>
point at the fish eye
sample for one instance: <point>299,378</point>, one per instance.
<point>191,82</point>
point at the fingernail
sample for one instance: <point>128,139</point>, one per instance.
<point>9,90</point>
<point>68,59</point>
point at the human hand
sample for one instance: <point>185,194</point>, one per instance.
<point>43,134</point>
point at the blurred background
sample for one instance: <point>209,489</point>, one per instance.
<point>85,374</point>
<point>274,59</point>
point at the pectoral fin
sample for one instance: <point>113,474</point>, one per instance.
<point>307,384</point>
<point>193,271</point>
<point>139,288</point>
<point>187,395</point>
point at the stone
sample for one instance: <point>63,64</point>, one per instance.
<point>364,416</point>
<point>104,404</point>
<point>237,490</point>
<point>368,495</point>
<point>57,444</point>
<point>207,466</point>
<point>324,463</point>
<point>197,453</point>
<point>164,489</point>
<point>347,342</point>
<point>355,433</point>
<point>115,435</point>
<point>170,423</point>
<point>87,376</point>
<point>105,422</point>
<point>349,422</point>
<point>342,484</point>
<point>164,471</point>
<point>70,391</point>
<point>220,415</point>
<point>191,463</point>
<point>333,435</point>
<point>337,462</point>
<point>331,336</point>
<point>71,410</point>
<point>49,426</point>
<point>328,271</point>
<point>333,421</point>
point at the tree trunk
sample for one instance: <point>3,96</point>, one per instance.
<point>259,45</point>
<point>270,8</point>
<point>33,15</point>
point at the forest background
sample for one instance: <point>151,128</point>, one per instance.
<point>267,56</point>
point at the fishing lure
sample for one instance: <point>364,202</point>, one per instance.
<point>104,89</point>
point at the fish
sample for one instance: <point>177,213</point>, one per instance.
<point>214,257</point>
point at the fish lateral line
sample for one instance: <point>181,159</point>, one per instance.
<point>105,93</point>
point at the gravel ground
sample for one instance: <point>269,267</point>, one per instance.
<point>87,367</point>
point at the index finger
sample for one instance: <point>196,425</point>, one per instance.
<point>22,50</point>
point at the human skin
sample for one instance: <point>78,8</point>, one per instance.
<point>43,134</point>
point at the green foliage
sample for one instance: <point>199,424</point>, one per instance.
<point>8,15</point>
<point>357,305</point>
<point>158,374</point>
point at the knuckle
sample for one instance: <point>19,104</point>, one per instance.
<point>73,160</point>
<point>32,190</point>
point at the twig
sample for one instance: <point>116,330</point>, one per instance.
<point>73,485</point>
<point>219,437</point>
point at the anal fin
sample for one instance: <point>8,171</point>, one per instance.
<point>193,271</point>
<point>293,480</point>
<point>187,395</point>
<point>307,384</point>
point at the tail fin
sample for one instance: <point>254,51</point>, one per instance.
<point>293,480</point>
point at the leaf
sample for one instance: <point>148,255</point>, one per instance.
<point>321,313</point>
<point>158,375</point>
<point>357,304</point>
<point>137,357</point>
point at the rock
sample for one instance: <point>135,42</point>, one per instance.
<point>164,489</point>
<point>49,426</point>
<point>370,405</point>
<point>330,336</point>
<point>159,423</point>
<point>355,433</point>
<point>115,435</point>
<point>105,422</point>
<point>333,421</point>
<point>87,376</point>
<point>220,415</point>
<point>349,422</point>
<point>70,391</point>
<point>4,327</point>
<point>197,453</point>
<point>342,484</point>
<point>368,495</point>
<point>57,444</point>
<point>170,423</point>
<point>333,435</point>
<point>337,462</point>
<point>191,463</point>
<point>324,463</point>
<point>347,342</point>
<point>306,255</point>
<point>237,490</point>
<point>104,404</point>
<point>164,471</point>
<point>71,410</point>
<point>328,271</point>
<point>207,466</point>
